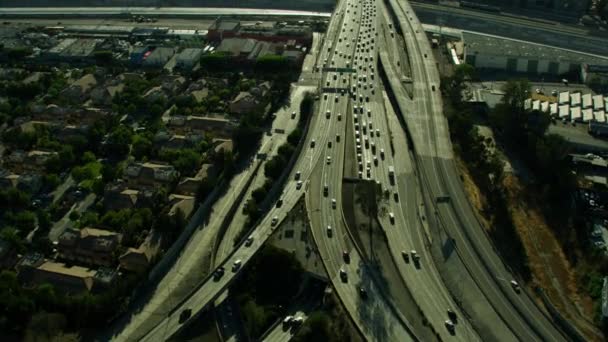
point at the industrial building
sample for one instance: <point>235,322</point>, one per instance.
<point>187,59</point>
<point>158,57</point>
<point>558,7</point>
<point>491,52</point>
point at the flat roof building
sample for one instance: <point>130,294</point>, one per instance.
<point>575,114</point>
<point>553,109</point>
<point>586,100</point>
<point>564,111</point>
<point>564,98</point>
<point>599,116</point>
<point>575,99</point>
<point>159,57</point>
<point>492,52</point>
<point>598,102</point>
<point>188,58</point>
<point>587,114</point>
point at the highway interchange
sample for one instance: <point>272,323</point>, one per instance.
<point>353,104</point>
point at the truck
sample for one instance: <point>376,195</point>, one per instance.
<point>391,174</point>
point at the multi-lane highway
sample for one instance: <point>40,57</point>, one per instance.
<point>440,179</point>
<point>353,99</point>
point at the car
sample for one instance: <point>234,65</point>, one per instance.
<point>391,217</point>
<point>377,132</point>
<point>346,256</point>
<point>339,117</point>
<point>452,315</point>
<point>333,203</point>
<point>313,143</point>
<point>219,272</point>
<point>249,241</point>
<point>343,275</point>
<point>274,221</point>
<point>297,321</point>
<point>376,161</point>
<point>450,326</point>
<point>396,196</point>
<point>325,189</point>
<point>382,153</point>
<point>329,231</point>
<point>279,202</point>
<point>515,286</point>
<point>328,114</point>
<point>299,185</point>
<point>405,256</point>
<point>293,115</point>
<point>338,137</point>
<point>184,315</point>
<point>287,321</point>
<point>328,160</point>
<point>236,265</point>
<point>363,292</point>
<point>414,254</point>
<point>298,175</point>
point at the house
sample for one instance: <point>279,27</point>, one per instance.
<point>223,145</point>
<point>34,160</point>
<point>89,246</point>
<point>244,102</point>
<point>150,174</point>
<point>135,259</point>
<point>103,95</point>
<point>220,127</point>
<point>261,89</point>
<point>79,90</point>
<point>190,185</point>
<point>173,84</point>
<point>67,132</point>
<point>118,195</point>
<point>34,269</point>
<point>155,94</point>
<point>164,139</point>
<point>28,182</point>
<point>183,203</point>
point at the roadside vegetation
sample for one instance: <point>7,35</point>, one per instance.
<point>266,288</point>
<point>530,215</point>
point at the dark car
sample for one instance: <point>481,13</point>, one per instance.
<point>185,315</point>
<point>363,293</point>
<point>346,257</point>
<point>452,315</point>
<point>218,273</point>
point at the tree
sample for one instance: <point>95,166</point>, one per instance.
<point>142,146</point>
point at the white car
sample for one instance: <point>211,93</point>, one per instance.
<point>333,203</point>
<point>274,221</point>
<point>236,265</point>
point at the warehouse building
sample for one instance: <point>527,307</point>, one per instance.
<point>159,57</point>
<point>187,59</point>
<point>492,52</point>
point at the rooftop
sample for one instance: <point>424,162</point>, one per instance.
<point>487,44</point>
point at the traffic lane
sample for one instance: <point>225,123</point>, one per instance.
<point>484,245</point>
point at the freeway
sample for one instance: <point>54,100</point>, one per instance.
<point>208,290</point>
<point>434,155</point>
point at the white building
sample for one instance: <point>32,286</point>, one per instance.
<point>599,116</point>
<point>575,99</point>
<point>544,106</point>
<point>564,98</point>
<point>598,102</point>
<point>587,101</point>
<point>587,114</point>
<point>564,111</point>
<point>575,114</point>
<point>553,109</point>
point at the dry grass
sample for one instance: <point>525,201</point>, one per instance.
<point>542,97</point>
<point>547,262</point>
<point>475,196</point>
